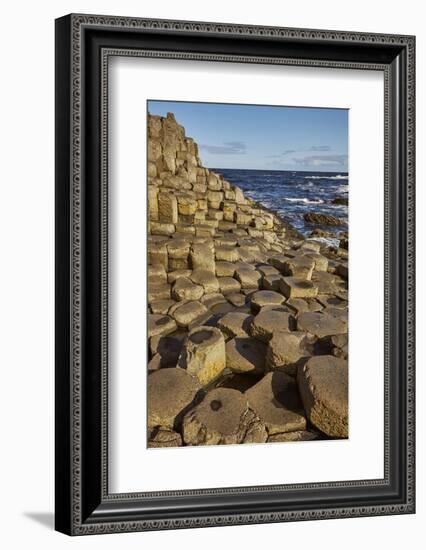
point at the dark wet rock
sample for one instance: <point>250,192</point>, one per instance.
<point>322,219</point>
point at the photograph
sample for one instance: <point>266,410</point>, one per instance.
<point>247,277</point>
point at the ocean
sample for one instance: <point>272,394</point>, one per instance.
<point>293,194</point>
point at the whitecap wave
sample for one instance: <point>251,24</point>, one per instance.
<point>304,200</point>
<point>337,177</point>
<point>342,189</point>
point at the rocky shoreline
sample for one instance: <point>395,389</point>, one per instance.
<point>247,320</point>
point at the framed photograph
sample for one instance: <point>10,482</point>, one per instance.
<point>223,355</point>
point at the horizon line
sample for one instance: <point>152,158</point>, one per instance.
<point>278,170</point>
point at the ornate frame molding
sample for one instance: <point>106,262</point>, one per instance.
<point>72,516</point>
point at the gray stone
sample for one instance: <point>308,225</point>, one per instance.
<point>285,349</point>
<point>272,282</point>
<point>225,269</point>
<point>188,313</point>
<point>275,400</point>
<point>228,285</point>
<point>173,276</point>
<point>170,392</point>
<point>294,287</point>
<point>221,418</point>
<point>161,437</point>
<point>204,354</point>
<point>299,266</point>
<point>206,279</point>
<point>161,306</point>
<point>320,324</point>
<point>268,322</point>
<point>202,257</point>
<point>248,278</point>
<point>323,386</point>
<point>227,253</point>
<point>245,355</point>
<point>184,289</point>
<point>236,299</point>
<point>235,324</point>
<point>160,325</point>
<point>266,298</point>
<point>211,300</point>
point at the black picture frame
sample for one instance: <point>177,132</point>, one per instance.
<point>83,45</point>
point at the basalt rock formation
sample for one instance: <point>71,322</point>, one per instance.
<point>238,302</point>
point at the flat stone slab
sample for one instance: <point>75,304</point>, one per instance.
<point>170,392</point>
<point>206,279</point>
<point>327,283</point>
<point>161,438</point>
<point>211,300</point>
<point>202,255</point>
<point>275,400</point>
<point>266,298</point>
<point>161,306</point>
<point>184,289</point>
<point>236,299</point>
<point>225,269</point>
<point>285,349</point>
<point>320,324</point>
<point>294,287</point>
<point>245,355</point>
<point>235,324</point>
<point>160,325</point>
<point>268,322</point>
<point>187,313</point>
<point>204,354</point>
<point>227,253</point>
<point>323,386</point>
<point>268,270</point>
<point>228,285</point>
<point>272,282</point>
<point>249,278</point>
<point>299,266</point>
<point>221,418</point>
<point>173,276</point>
<point>321,262</point>
<point>332,301</point>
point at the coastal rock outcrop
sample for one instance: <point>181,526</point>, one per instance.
<point>322,219</point>
<point>241,310</point>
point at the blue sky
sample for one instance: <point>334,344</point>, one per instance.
<point>263,137</point>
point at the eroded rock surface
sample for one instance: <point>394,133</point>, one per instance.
<point>323,385</point>
<point>239,303</point>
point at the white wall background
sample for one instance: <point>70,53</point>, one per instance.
<point>27,262</point>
